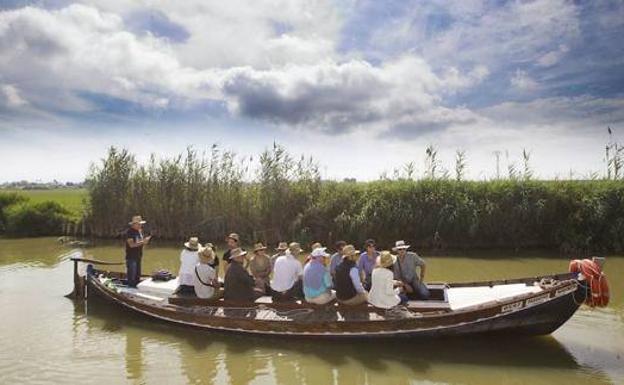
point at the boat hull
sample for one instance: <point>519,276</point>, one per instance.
<point>533,314</point>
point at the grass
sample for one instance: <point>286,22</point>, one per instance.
<point>71,199</point>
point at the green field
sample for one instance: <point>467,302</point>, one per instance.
<point>72,199</point>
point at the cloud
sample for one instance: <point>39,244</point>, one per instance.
<point>12,96</point>
<point>523,82</point>
<point>79,52</point>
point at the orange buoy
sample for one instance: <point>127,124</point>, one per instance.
<point>596,281</point>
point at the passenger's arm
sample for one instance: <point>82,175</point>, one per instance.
<point>355,278</point>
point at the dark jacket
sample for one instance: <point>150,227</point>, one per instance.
<point>238,285</point>
<point>343,283</point>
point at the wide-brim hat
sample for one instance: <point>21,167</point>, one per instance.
<point>193,243</point>
<point>282,246</point>
<point>386,259</point>
<point>206,255</point>
<point>259,246</point>
<point>237,252</point>
<point>233,236</point>
<point>319,252</point>
<point>295,248</point>
<point>137,219</point>
<point>349,250</point>
<point>400,245</point>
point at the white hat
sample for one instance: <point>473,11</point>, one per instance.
<point>137,219</point>
<point>193,244</point>
<point>319,252</point>
<point>398,245</point>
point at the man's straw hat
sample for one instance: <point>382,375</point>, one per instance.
<point>237,252</point>
<point>259,246</point>
<point>282,246</point>
<point>206,255</point>
<point>349,250</point>
<point>295,248</point>
<point>136,219</point>
<point>193,243</point>
<point>233,236</point>
<point>386,259</point>
<point>400,245</point>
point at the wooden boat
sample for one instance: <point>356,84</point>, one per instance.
<point>523,306</point>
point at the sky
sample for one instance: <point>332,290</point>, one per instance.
<point>361,86</point>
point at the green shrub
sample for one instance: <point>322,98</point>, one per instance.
<point>39,219</point>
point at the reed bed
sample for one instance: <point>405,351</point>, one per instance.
<point>279,197</point>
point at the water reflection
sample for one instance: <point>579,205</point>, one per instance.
<point>206,356</point>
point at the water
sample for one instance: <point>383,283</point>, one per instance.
<point>46,338</point>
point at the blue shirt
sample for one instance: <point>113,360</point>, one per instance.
<point>355,278</point>
<point>333,263</point>
<point>365,265</point>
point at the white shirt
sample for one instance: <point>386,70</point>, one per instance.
<point>382,293</point>
<point>286,271</point>
<point>207,275</point>
<point>188,260</point>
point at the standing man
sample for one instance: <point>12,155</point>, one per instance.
<point>134,250</point>
<point>367,262</point>
<point>405,271</point>
<point>232,243</point>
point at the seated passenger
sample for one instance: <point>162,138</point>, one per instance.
<point>286,284</point>
<point>205,279</point>
<point>260,267</point>
<point>188,260</point>
<point>385,291</point>
<point>336,258</point>
<point>349,289</point>
<point>367,262</point>
<point>281,250</point>
<point>317,282</point>
<point>405,271</point>
<point>238,284</point>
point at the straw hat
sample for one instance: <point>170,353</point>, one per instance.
<point>386,259</point>
<point>295,248</point>
<point>233,236</point>
<point>193,243</point>
<point>400,245</point>
<point>259,246</point>
<point>282,246</point>
<point>136,219</point>
<point>316,245</point>
<point>206,255</point>
<point>349,251</point>
<point>237,252</point>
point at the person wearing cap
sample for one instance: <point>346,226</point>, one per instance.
<point>367,262</point>
<point>286,284</point>
<point>336,258</point>
<point>405,271</point>
<point>260,267</point>
<point>205,281</point>
<point>385,292</point>
<point>135,240</point>
<point>232,241</point>
<point>349,289</point>
<point>281,250</point>
<point>238,285</point>
<point>188,260</point>
<point>317,282</point>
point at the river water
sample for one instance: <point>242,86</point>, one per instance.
<point>46,338</point>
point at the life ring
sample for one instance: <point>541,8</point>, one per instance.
<point>596,281</point>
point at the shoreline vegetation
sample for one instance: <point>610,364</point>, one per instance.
<point>277,197</point>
